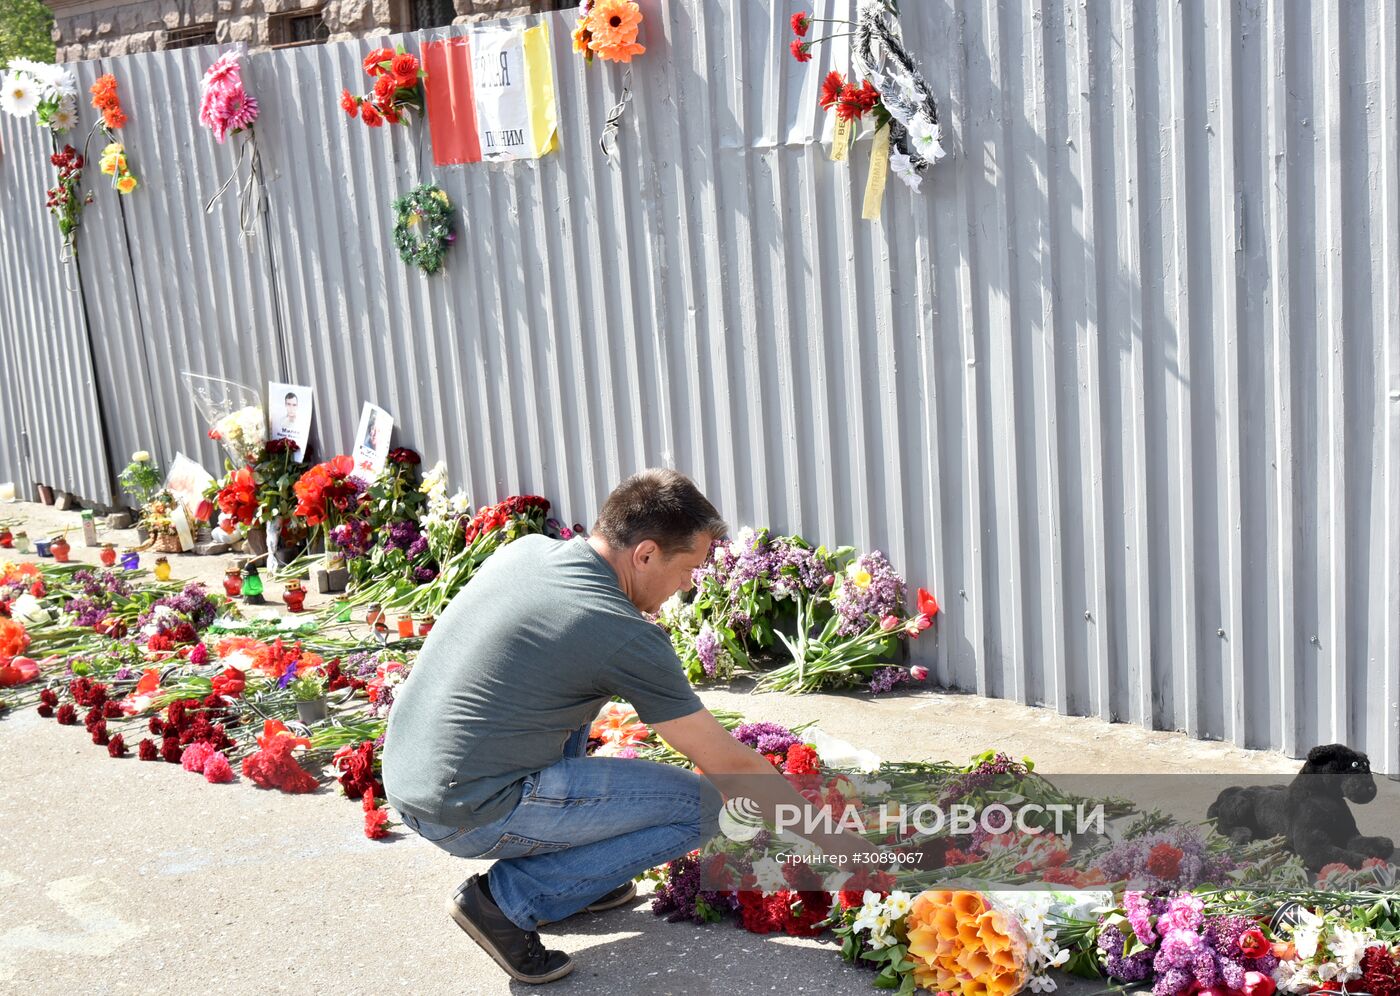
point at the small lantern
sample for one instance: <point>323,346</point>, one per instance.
<point>342,611</point>
<point>405,627</point>
<point>131,561</point>
<point>108,556</point>
<point>22,541</point>
<point>425,625</point>
<point>7,538</point>
<point>42,548</point>
<point>294,596</point>
<point>162,569</point>
<point>233,582</point>
<point>374,615</point>
<point>252,587</point>
<point>59,547</point>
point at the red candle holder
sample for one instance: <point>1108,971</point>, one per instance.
<point>425,625</point>
<point>294,596</point>
<point>7,539</point>
<point>233,582</point>
<point>59,548</point>
<point>405,627</point>
<point>108,556</point>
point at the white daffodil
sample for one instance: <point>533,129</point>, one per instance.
<point>880,936</point>
<point>19,95</point>
<point>898,904</point>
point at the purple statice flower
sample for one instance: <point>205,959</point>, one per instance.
<point>1172,982</point>
<point>417,548</point>
<point>87,612</point>
<point>362,665</point>
<point>707,649</point>
<point>1223,935</point>
<point>402,535</point>
<point>425,574</point>
<point>886,679</point>
<point>353,538</point>
<point>766,738</point>
<point>123,673</point>
<point>1134,968</point>
<point>192,604</point>
<point>860,605</point>
<point>981,776</point>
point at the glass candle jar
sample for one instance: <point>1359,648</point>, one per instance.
<point>108,555</point>
<point>131,561</point>
<point>162,569</point>
<point>405,627</point>
<point>294,596</point>
<point>233,582</point>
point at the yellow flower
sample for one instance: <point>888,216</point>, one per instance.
<point>440,195</point>
<point>861,579</point>
<point>109,164</point>
<point>414,219</point>
<point>112,148</point>
<point>127,184</point>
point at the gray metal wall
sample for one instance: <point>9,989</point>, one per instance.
<point>1122,386</point>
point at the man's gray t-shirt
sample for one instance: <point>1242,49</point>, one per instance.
<point>524,655</point>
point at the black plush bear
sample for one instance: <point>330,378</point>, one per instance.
<point>1311,811</point>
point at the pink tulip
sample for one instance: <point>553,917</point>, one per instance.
<point>923,622</point>
<point>918,672</point>
<point>888,623</point>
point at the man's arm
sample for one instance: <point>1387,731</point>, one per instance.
<point>738,770</point>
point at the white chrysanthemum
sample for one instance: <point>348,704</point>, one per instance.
<point>26,66</point>
<point>56,81</point>
<point>65,116</point>
<point>19,96</point>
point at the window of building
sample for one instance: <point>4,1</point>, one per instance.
<point>432,13</point>
<point>297,27</point>
<point>190,36</point>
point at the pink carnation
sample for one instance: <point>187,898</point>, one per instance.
<point>195,756</point>
<point>1186,912</point>
<point>199,655</point>
<point>217,769</point>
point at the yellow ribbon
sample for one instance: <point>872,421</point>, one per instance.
<point>879,174</point>
<point>840,140</point>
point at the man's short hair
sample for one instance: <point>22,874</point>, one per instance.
<point>291,396</point>
<point>660,505</point>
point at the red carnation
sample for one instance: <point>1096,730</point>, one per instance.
<point>800,23</point>
<point>67,715</point>
<point>799,49</point>
<point>230,682</point>
<point>274,767</point>
<point>49,697</point>
<point>801,760</point>
<point>349,103</point>
<point>156,726</point>
<point>1164,861</point>
<point>99,733</point>
<point>45,710</point>
<point>356,767</point>
<point>217,770</point>
<point>831,90</point>
<point>116,747</point>
<point>146,749</point>
<point>374,824</point>
<point>111,710</point>
<point>170,750</point>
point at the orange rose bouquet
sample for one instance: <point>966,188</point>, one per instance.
<point>397,91</point>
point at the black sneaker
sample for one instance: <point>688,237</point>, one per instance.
<point>623,894</point>
<point>517,951</point>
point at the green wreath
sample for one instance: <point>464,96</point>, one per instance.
<point>425,209</point>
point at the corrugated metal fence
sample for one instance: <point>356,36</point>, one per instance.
<point>1092,386</point>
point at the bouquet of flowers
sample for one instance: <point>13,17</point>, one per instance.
<point>65,201</point>
<point>608,29</point>
<point>114,157</point>
<point>47,91</point>
<point>397,90</point>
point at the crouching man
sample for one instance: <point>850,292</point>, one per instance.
<point>485,751</point>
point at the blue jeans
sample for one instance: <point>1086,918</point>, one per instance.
<point>583,826</point>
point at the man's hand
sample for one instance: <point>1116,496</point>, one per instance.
<point>739,771</point>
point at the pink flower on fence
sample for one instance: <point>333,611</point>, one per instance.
<point>225,106</point>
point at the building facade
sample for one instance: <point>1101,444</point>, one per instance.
<point>92,29</point>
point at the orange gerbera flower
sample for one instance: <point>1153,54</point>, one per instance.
<point>17,571</point>
<point>613,25</point>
